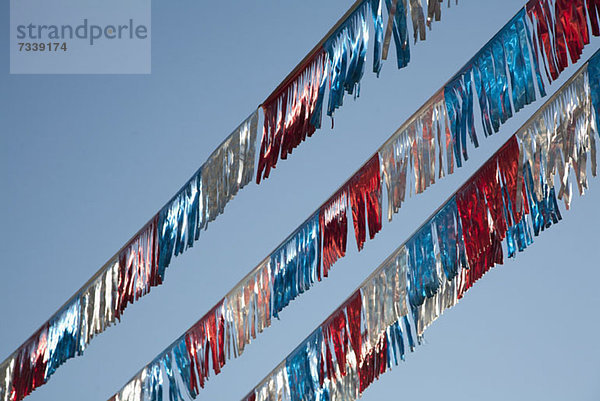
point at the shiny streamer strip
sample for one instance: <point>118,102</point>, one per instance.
<point>291,115</point>
<point>134,270</point>
<point>365,191</point>
<point>294,110</point>
<point>430,271</point>
<point>505,73</point>
<point>137,267</point>
<point>417,153</point>
<point>204,197</point>
<point>442,249</point>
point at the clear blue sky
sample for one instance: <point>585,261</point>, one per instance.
<point>87,160</point>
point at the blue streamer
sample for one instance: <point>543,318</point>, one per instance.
<point>400,32</point>
<point>347,50</point>
<point>152,386</point>
<point>593,69</point>
<point>63,337</point>
<point>423,281</point>
<point>411,341</point>
<point>544,212</point>
<point>295,264</point>
<point>179,223</point>
<point>378,28</point>
<point>174,392</point>
<point>509,49</point>
<point>459,105</point>
<point>395,340</point>
<point>447,235</point>
<point>303,368</point>
<point>182,362</point>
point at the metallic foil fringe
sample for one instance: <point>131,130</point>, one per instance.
<point>418,152</point>
<point>452,250</point>
<point>293,112</point>
<point>204,197</point>
<point>527,200</point>
<point>139,266</point>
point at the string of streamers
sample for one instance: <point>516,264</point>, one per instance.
<point>428,274</point>
<point>291,114</point>
<point>294,110</point>
<point>429,277</point>
<point>139,266</point>
<point>420,145</point>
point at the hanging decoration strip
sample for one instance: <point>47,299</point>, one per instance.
<point>431,271</point>
<point>291,113</point>
<point>136,268</point>
<point>424,148</point>
<point>336,65</point>
<point>510,199</point>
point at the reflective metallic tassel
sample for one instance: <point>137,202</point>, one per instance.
<point>292,113</point>
<point>397,26</point>
<point>295,264</point>
<point>228,169</point>
<point>378,47</point>
<point>561,26</point>
<point>275,387</point>
<point>418,20</point>
<point>152,383</point>
<point>138,267</point>
<point>364,189</point>
<point>414,151</point>
<point>423,281</point>
<point>6,377</point>
<point>347,50</point>
<point>174,391</point>
<point>97,305</point>
<point>133,390</point>
<point>384,298</point>
<point>301,367</point>
<point>333,222</point>
<point>63,337</point>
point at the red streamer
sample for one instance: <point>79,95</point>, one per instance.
<point>333,221</point>
<point>563,36</point>
<point>138,267</point>
<point>288,113</point>
<point>30,366</point>
<point>353,311</point>
<point>365,189</point>
<point>335,332</point>
<point>205,344</point>
<point>374,364</point>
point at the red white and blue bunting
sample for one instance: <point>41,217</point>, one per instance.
<point>427,275</point>
<point>505,76</point>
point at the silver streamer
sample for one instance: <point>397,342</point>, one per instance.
<point>384,299</point>
<point>434,13</point>
<point>133,390</point>
<point>98,304</point>
<point>421,149</point>
<point>247,310</point>
<point>6,374</point>
<point>344,388</point>
<point>276,387</point>
<point>558,139</point>
<point>228,169</point>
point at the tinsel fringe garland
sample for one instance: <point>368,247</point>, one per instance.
<point>313,372</point>
<point>423,150</point>
<point>428,274</point>
<point>139,266</point>
<point>294,110</point>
